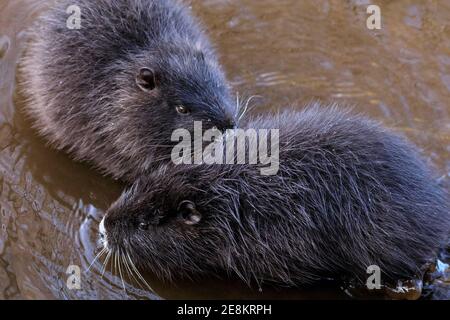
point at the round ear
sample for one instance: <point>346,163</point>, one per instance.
<point>188,213</point>
<point>146,79</point>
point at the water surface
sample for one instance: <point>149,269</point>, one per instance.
<point>287,52</point>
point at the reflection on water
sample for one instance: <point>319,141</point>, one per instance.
<point>286,51</point>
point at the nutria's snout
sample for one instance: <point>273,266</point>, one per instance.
<point>222,118</point>
<point>113,231</point>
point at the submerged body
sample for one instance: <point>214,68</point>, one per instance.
<point>112,91</point>
<point>349,194</point>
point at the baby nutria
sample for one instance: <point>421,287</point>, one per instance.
<point>112,91</point>
<point>348,194</point>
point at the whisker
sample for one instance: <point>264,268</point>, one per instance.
<point>105,263</point>
<point>246,106</point>
<point>130,272</point>
<point>138,273</point>
<point>95,259</point>
<point>126,268</point>
<point>120,270</point>
<point>238,106</point>
<point>115,263</point>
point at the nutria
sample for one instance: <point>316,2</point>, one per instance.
<point>349,194</point>
<point>112,91</point>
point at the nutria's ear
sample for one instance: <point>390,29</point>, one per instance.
<point>188,213</point>
<point>146,79</point>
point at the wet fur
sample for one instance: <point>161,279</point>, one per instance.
<point>349,194</point>
<point>81,83</point>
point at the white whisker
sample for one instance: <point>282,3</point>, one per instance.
<point>106,263</point>
<point>139,274</point>
<point>95,259</point>
<point>118,255</point>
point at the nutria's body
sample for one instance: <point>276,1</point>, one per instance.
<point>348,194</point>
<point>113,91</point>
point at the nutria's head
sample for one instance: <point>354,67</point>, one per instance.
<point>167,226</point>
<point>173,86</point>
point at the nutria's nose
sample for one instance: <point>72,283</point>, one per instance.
<point>229,123</point>
<point>223,127</point>
<point>233,124</point>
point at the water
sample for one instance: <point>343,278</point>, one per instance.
<point>287,52</point>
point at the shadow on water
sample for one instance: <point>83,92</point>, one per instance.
<point>286,51</point>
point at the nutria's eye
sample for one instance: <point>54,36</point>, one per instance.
<point>144,226</point>
<point>146,79</point>
<point>188,213</point>
<point>182,110</point>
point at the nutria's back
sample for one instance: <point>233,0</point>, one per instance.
<point>109,91</point>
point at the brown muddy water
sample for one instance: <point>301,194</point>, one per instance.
<point>286,51</point>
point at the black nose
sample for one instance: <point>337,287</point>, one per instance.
<point>233,124</point>
<point>229,123</point>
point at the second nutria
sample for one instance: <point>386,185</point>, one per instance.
<point>349,194</point>
<point>113,91</point>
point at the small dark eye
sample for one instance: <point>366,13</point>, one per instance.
<point>182,109</point>
<point>143,226</point>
